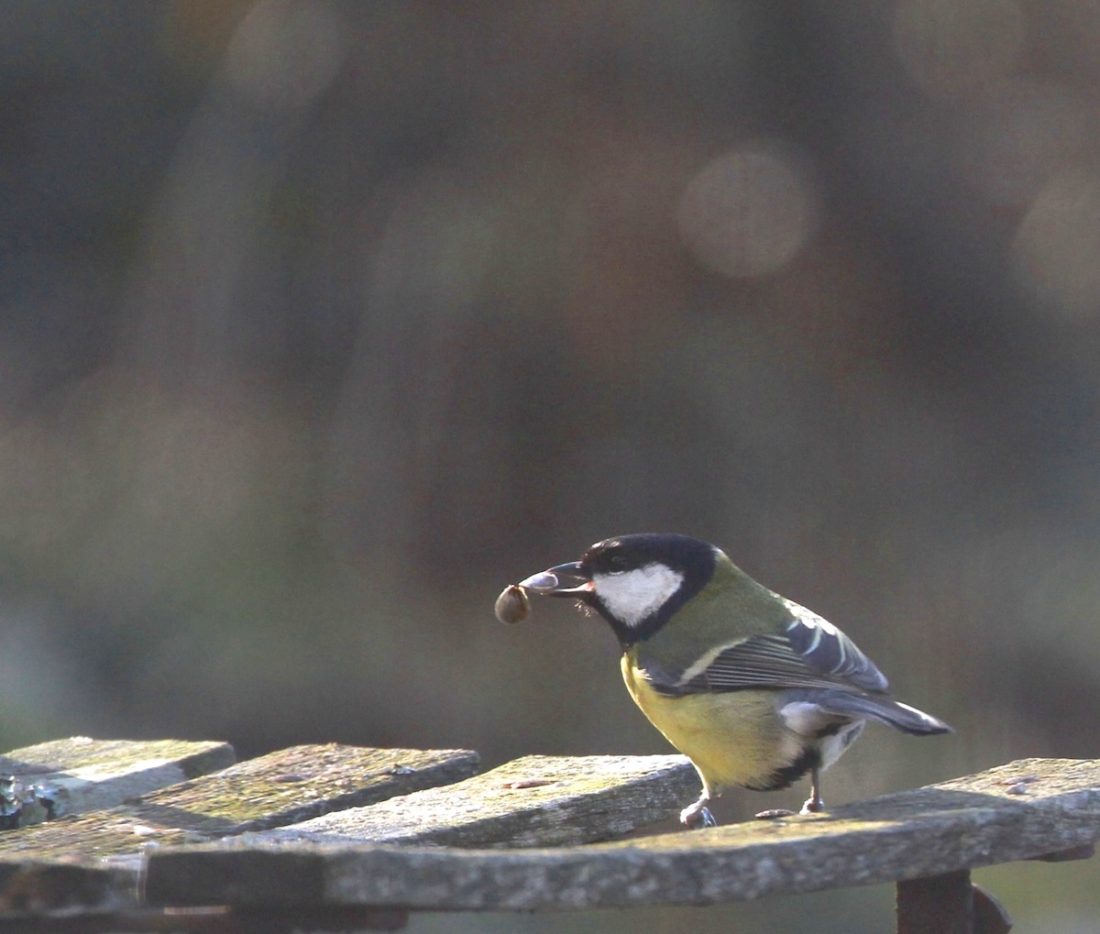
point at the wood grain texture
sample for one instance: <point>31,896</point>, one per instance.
<point>281,788</point>
<point>1018,811</point>
<point>533,801</point>
<point>67,886</point>
<point>81,774</point>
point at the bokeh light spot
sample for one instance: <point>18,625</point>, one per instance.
<point>1016,139</point>
<point>285,53</point>
<point>1058,244</point>
<point>749,213</point>
<point>953,46</point>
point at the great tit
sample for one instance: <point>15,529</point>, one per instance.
<point>754,689</point>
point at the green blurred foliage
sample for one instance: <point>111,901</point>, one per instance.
<point>321,322</point>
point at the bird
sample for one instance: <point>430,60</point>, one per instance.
<point>753,688</point>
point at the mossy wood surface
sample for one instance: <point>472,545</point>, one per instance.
<point>280,788</point>
<point>328,828</point>
<point>1019,811</point>
<point>82,774</point>
<point>533,801</point>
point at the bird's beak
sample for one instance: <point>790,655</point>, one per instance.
<point>549,583</point>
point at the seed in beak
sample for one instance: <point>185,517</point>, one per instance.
<point>513,605</point>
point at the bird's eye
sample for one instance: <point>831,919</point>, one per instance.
<point>618,563</point>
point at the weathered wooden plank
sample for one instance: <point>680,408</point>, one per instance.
<point>949,904</point>
<point>533,801</point>
<point>1018,811</point>
<point>219,920</point>
<point>284,787</point>
<point>82,774</point>
<point>943,904</point>
<point>64,885</point>
<point>990,916</point>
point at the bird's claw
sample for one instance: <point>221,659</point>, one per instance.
<point>813,806</point>
<point>697,816</point>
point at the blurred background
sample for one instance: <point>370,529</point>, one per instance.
<point>320,322</point>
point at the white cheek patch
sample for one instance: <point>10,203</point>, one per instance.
<point>635,595</point>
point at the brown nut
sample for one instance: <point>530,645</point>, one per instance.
<point>512,605</point>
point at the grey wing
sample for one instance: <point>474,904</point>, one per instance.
<point>811,653</point>
<point>828,651</point>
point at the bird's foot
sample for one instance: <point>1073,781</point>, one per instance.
<point>773,814</point>
<point>813,806</point>
<point>697,815</point>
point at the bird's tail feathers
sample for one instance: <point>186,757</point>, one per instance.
<point>891,712</point>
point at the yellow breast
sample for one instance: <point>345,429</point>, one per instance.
<point>734,738</point>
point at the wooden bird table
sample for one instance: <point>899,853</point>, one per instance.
<point>169,836</point>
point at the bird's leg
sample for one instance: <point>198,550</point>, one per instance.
<point>814,804</point>
<point>698,814</point>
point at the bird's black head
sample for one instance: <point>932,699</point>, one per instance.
<point>635,582</point>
